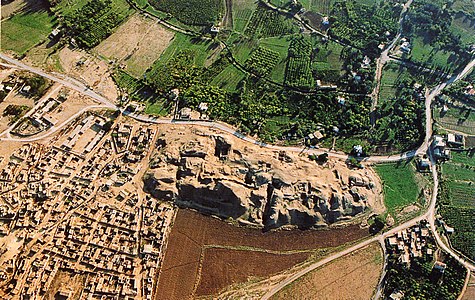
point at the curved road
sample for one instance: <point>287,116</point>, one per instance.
<point>429,215</point>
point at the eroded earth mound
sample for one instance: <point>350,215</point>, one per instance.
<point>227,177</point>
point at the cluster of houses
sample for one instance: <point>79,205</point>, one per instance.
<point>79,213</point>
<point>410,243</point>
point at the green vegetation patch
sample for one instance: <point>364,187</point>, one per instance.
<point>365,26</point>
<point>267,23</point>
<point>459,119</point>
<point>262,61</point>
<point>299,71</point>
<point>399,185</point>
<point>94,21</point>
<point>193,12</point>
<point>457,200</point>
<point>400,122</point>
<point>201,49</point>
<point>242,12</point>
<point>439,38</point>
<point>25,30</point>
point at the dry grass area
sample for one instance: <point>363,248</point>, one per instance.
<point>90,70</point>
<point>352,277</point>
<point>470,291</point>
<point>137,43</point>
<point>187,258</point>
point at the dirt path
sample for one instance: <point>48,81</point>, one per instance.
<point>228,15</point>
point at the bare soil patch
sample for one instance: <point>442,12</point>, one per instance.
<point>90,70</point>
<point>315,20</point>
<point>211,231</point>
<point>137,43</point>
<point>354,276</point>
<point>192,232</point>
<point>223,267</point>
<point>470,291</point>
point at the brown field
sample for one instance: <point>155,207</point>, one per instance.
<point>222,267</point>
<point>137,43</point>
<point>354,277</point>
<point>192,232</point>
<point>470,291</point>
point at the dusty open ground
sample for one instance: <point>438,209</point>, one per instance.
<point>193,231</point>
<point>90,70</point>
<point>137,43</point>
<point>352,277</point>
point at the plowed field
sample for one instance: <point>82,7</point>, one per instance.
<point>196,262</point>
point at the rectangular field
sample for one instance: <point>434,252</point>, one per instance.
<point>457,199</point>
<point>25,30</point>
<point>399,184</point>
<point>193,235</point>
<point>456,119</point>
<point>202,49</point>
<point>138,43</point>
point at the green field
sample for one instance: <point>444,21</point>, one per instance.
<point>431,56</point>
<point>392,74</point>
<point>202,49</point>
<point>457,199</point>
<point>158,107</point>
<point>465,28</point>
<point>281,46</point>
<point>399,185</point>
<point>464,6</point>
<point>23,31</point>
<point>328,56</point>
<point>193,12</point>
<point>456,119</point>
<point>229,78</point>
<point>242,12</point>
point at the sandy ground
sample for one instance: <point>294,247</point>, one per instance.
<point>352,277</point>
<point>73,104</point>
<point>90,70</point>
<point>137,43</point>
<point>10,8</point>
